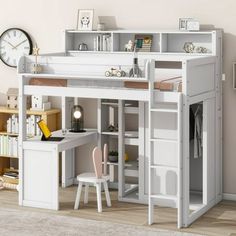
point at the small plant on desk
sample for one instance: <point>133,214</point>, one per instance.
<point>113,156</point>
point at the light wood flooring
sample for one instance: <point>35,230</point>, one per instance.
<point>221,220</point>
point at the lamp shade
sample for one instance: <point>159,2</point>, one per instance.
<point>77,119</point>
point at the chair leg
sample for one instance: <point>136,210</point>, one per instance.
<point>86,193</point>
<point>77,200</point>
<point>99,199</point>
<point>108,199</point>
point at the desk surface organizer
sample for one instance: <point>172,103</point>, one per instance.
<point>167,173</point>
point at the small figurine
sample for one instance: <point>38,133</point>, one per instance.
<point>129,47</point>
<point>36,67</point>
<point>115,72</point>
<point>189,47</point>
<point>201,50</point>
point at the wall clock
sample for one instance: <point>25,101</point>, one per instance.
<point>14,43</point>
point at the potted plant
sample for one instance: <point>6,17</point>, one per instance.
<point>113,156</point>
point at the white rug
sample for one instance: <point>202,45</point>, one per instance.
<point>26,223</point>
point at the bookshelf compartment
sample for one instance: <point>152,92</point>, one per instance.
<point>174,42</point>
<point>9,138</point>
<point>95,41</point>
<point>121,39</point>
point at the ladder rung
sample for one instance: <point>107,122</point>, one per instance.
<point>164,197</point>
<point>163,140</point>
<point>164,167</point>
<point>164,110</point>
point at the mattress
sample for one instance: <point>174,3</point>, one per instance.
<point>170,84</point>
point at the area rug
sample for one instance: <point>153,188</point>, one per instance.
<point>14,222</point>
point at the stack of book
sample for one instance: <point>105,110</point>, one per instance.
<point>11,176</point>
<point>143,43</point>
<point>13,124</point>
<point>102,43</point>
<point>32,128</point>
<point>8,146</point>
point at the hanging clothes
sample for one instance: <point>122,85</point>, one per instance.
<point>198,134</point>
<point>192,124</point>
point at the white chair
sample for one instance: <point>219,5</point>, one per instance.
<point>96,178</point>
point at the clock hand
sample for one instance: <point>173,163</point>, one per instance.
<point>19,44</point>
<point>8,43</point>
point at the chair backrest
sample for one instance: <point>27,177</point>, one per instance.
<point>105,158</point>
<point>97,162</point>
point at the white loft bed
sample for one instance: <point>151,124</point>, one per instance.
<point>85,80</point>
<point>167,174</point>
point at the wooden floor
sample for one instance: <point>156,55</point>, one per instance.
<point>221,220</point>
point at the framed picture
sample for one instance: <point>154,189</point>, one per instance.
<point>189,24</point>
<point>85,19</point>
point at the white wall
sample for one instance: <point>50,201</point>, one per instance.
<point>45,19</point>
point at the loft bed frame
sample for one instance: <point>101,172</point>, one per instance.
<point>198,85</point>
<point>83,77</point>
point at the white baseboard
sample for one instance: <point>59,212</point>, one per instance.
<point>229,196</point>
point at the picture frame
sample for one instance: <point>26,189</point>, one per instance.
<point>85,19</point>
<point>189,24</point>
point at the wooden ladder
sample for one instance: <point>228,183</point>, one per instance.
<point>153,142</point>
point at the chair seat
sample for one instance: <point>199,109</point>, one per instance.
<point>91,178</point>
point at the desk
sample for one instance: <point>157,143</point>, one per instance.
<point>40,186</point>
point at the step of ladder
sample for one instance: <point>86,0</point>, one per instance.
<point>164,110</point>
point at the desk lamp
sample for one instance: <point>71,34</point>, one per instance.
<point>77,119</point>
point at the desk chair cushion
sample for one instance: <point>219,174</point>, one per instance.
<point>92,178</point>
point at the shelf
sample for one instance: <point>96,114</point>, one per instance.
<point>13,134</point>
<point>131,195</point>
<point>115,104</point>
<point>132,169</point>
<point>29,112</point>
<point>130,164</point>
<point>128,108</point>
<point>10,180</point>
<point>128,134</point>
<point>164,167</point>
<point>131,110</point>
<point>6,156</point>
<point>110,133</point>
<point>119,52</point>
<point>163,140</point>
<point>8,134</point>
<point>135,31</point>
<point>164,197</point>
<point>164,110</point>
<point>132,141</point>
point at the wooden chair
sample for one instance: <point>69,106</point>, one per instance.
<point>96,178</point>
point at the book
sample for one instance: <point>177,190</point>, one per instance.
<point>143,43</point>
<point>11,174</point>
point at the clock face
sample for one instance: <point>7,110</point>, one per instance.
<point>14,43</point>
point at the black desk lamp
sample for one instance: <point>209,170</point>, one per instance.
<point>77,119</point>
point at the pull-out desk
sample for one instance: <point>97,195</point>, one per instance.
<point>41,165</point>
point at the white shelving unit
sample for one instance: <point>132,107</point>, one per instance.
<point>128,169</point>
<point>164,42</point>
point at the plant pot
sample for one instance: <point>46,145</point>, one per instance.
<point>113,158</point>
